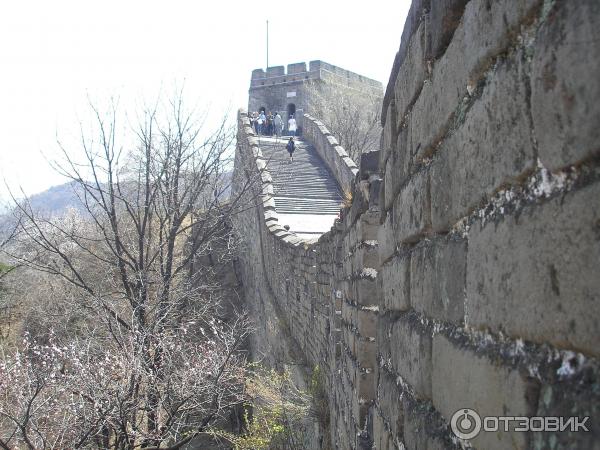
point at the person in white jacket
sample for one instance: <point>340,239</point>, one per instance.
<point>292,126</point>
<point>278,125</point>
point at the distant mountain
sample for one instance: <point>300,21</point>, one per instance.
<point>51,202</point>
<point>56,200</point>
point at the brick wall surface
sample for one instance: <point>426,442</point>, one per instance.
<point>465,273</point>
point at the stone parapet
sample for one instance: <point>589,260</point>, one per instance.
<point>339,163</point>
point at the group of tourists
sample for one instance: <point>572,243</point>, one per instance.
<point>268,124</point>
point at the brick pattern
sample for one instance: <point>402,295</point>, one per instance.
<point>464,274</point>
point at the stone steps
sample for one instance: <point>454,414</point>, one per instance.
<point>304,186</point>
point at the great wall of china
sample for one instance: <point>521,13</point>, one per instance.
<point>465,271</point>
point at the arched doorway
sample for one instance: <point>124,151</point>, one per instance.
<point>262,110</point>
<point>291,110</point>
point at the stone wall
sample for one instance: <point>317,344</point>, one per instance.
<point>465,272</point>
<point>339,163</point>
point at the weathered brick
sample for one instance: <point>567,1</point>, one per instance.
<point>412,72</point>
<point>412,215</point>
<point>411,356</point>
<point>382,439</point>
<point>389,403</point>
<point>565,83</point>
<point>535,275</point>
<point>569,400</point>
<point>366,353</point>
<point>415,433</point>
<point>366,322</point>
<point>484,31</point>
<point>389,134</point>
<point>368,291</point>
<point>462,379</point>
<point>365,256</point>
<point>395,283</point>
<point>444,18</point>
<point>385,238</point>
<point>493,146</point>
<point>396,169</point>
<point>367,226</point>
<point>437,279</point>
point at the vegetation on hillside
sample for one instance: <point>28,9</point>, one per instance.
<point>128,336</point>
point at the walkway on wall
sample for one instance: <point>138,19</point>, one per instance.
<point>307,197</point>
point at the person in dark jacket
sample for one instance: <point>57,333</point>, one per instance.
<point>291,146</point>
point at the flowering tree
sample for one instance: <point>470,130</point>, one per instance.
<point>156,358</point>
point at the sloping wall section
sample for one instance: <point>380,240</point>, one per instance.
<point>465,272</point>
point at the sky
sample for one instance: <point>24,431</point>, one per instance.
<point>57,56</point>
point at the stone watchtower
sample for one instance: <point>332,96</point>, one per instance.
<point>286,93</point>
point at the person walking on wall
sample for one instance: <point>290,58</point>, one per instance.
<point>270,128</point>
<point>292,126</point>
<point>261,122</point>
<point>290,147</point>
<point>278,121</point>
<point>253,123</point>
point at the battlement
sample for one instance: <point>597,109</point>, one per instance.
<point>317,70</point>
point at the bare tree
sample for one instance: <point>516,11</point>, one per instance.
<point>156,360</point>
<point>351,113</point>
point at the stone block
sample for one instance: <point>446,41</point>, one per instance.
<point>396,169</point>
<point>368,291</point>
<point>565,83</point>
<point>412,73</point>
<point>535,275</point>
<point>366,353</point>
<point>411,356</point>
<point>484,32</point>
<point>492,147</point>
<point>383,338</point>
<point>437,279</point>
<point>382,439</point>
<point>389,404</point>
<point>416,434</point>
<point>365,256</point>
<point>367,226</point>
<point>412,215</point>
<point>388,135</point>
<point>462,379</point>
<point>444,18</point>
<point>366,322</point>
<point>385,238</point>
<point>396,283</point>
<point>569,400</point>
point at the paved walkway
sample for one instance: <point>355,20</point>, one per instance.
<point>307,197</point>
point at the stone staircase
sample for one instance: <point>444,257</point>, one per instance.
<point>304,186</point>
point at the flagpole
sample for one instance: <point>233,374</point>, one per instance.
<point>267,44</point>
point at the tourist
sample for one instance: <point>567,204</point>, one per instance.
<point>278,122</point>
<point>292,125</point>
<point>261,122</point>
<point>270,124</point>
<point>255,121</point>
<point>290,148</point>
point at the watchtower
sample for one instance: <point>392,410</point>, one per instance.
<point>285,92</point>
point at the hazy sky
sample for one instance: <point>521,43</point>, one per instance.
<point>55,54</point>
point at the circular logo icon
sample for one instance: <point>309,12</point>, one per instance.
<point>465,424</point>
